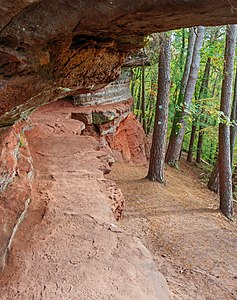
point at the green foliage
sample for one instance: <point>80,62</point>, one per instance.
<point>204,110</point>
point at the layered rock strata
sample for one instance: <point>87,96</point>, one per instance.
<point>75,249</point>
<point>113,126</point>
<point>50,49</point>
<point>116,91</point>
<point>117,128</point>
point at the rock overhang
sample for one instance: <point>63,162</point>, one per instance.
<point>52,49</point>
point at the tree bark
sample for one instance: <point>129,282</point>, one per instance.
<point>225,170</point>
<point>205,80</point>
<point>213,183</point>
<point>202,95</point>
<point>192,139</point>
<point>137,93</point>
<point>151,112</point>
<point>157,158</point>
<point>199,144</point>
<point>182,49</point>
<point>214,86</point>
<point>143,100</point>
<point>233,133</point>
<point>233,128</point>
<point>177,116</point>
<point>177,134</point>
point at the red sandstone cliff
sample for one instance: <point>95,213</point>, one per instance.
<point>70,245</point>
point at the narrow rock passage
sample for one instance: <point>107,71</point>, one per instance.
<point>70,246</point>
<point>193,244</point>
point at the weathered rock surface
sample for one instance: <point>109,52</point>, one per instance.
<point>51,48</point>
<point>16,175</point>
<point>129,141</point>
<point>74,248</point>
<point>116,91</point>
<point>115,126</point>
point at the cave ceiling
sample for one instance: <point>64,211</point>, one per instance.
<point>54,48</point>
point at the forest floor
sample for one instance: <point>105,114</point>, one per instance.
<point>194,246</point>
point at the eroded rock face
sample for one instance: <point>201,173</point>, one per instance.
<point>116,91</point>
<point>75,249</point>
<point>129,141</point>
<point>50,48</point>
<point>116,127</point>
<point>16,176</point>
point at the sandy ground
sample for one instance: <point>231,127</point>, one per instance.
<point>70,246</point>
<point>194,246</point>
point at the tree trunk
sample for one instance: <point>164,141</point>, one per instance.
<point>157,158</point>
<point>182,49</point>
<point>191,41</point>
<point>233,128</point>
<point>234,179</point>
<point>138,96</point>
<point>199,144</point>
<point>191,143</point>
<point>143,100</point>
<point>202,95</point>
<point>151,111</point>
<point>191,44</point>
<point>205,80</point>
<point>225,170</point>
<point>210,156</point>
<point>213,183</point>
<point>177,134</point>
<point>177,116</point>
<point>233,133</point>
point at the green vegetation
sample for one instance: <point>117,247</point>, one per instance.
<point>204,108</point>
<point>197,84</point>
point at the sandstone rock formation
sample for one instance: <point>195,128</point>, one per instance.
<point>116,127</point>
<point>70,245</point>
<point>50,48</point>
<point>16,178</point>
<point>116,91</point>
<point>115,123</point>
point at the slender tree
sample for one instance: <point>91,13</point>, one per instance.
<point>157,158</point>
<point>176,138</point>
<point>233,128</point>
<point>203,95</point>
<point>215,83</point>
<point>179,104</point>
<point>213,182</point>
<point>192,140</point>
<point>182,49</point>
<point>225,170</point>
<point>233,133</point>
<point>143,100</point>
<point>137,92</point>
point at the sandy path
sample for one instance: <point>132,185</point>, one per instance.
<point>194,246</point>
<point>70,246</point>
